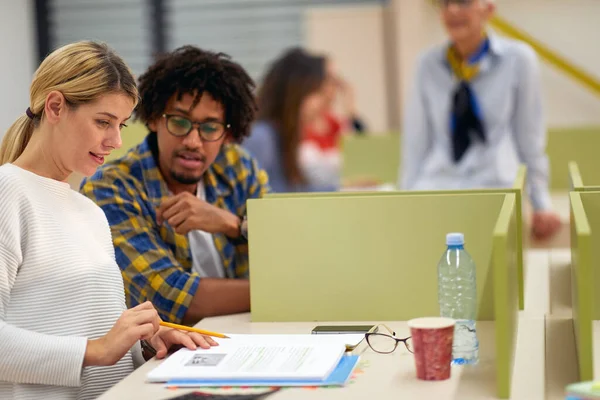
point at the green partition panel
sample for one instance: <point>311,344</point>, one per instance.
<point>591,205</point>
<point>362,258</point>
<point>375,258</point>
<point>577,181</point>
<point>371,156</point>
<point>582,283</point>
<point>518,189</point>
<point>578,144</point>
<point>131,136</point>
<point>506,288</point>
<point>573,144</point>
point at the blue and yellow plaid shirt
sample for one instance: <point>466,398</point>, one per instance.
<point>156,261</point>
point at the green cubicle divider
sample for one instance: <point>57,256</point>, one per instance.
<point>583,279</point>
<point>575,179</point>
<point>573,144</point>
<point>379,155</point>
<point>353,258</point>
<point>339,239</point>
<point>591,205</point>
<point>581,183</point>
<point>371,156</point>
<point>506,288</point>
<point>518,189</point>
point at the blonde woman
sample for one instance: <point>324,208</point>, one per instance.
<point>65,332</point>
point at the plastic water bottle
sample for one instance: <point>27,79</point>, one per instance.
<point>457,297</point>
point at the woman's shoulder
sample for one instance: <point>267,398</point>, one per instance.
<point>20,188</point>
<point>89,207</point>
<point>8,172</point>
<point>11,181</point>
<point>12,206</point>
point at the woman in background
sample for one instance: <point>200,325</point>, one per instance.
<point>291,97</point>
<point>320,150</point>
<point>331,124</point>
<point>65,332</point>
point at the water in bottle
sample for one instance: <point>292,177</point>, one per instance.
<point>457,297</point>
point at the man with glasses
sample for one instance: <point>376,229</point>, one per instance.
<point>476,114</point>
<point>176,203</point>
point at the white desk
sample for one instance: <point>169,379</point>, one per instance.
<point>386,376</point>
<point>393,376</point>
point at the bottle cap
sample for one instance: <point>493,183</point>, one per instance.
<point>455,239</point>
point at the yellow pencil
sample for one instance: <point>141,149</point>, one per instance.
<point>189,329</point>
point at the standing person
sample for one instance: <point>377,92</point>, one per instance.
<point>64,330</point>
<point>476,114</point>
<point>176,203</point>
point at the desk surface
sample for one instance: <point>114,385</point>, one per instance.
<point>388,376</point>
<point>393,376</point>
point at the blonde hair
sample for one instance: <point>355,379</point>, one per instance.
<point>82,72</point>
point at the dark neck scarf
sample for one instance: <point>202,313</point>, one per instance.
<point>466,119</point>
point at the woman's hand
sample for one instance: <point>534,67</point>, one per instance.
<point>167,337</point>
<point>138,323</point>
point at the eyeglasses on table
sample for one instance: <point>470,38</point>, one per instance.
<point>382,339</point>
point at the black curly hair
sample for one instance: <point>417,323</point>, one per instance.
<point>190,70</point>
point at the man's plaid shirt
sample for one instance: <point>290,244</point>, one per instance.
<point>155,261</point>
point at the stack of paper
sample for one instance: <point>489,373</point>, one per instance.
<point>583,391</point>
<point>261,360</point>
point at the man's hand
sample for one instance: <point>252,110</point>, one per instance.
<point>545,224</point>
<point>186,212</point>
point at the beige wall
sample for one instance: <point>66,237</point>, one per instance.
<point>17,42</point>
<point>354,36</point>
<point>417,28</point>
<point>570,27</point>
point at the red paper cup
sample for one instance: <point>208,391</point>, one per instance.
<point>432,345</point>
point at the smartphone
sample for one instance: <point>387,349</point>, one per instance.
<point>210,396</point>
<point>337,329</point>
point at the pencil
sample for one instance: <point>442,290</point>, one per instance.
<point>190,329</point>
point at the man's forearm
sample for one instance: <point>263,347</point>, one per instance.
<point>218,297</point>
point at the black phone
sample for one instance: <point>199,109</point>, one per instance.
<point>337,329</point>
<point>211,396</point>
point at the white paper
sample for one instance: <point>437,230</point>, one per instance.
<point>346,339</point>
<point>250,357</point>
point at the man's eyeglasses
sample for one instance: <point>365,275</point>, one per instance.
<point>386,343</point>
<point>210,131</point>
